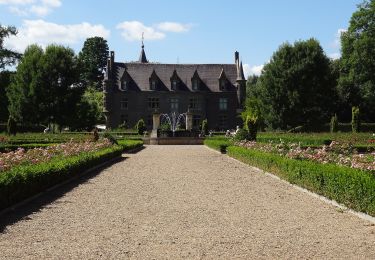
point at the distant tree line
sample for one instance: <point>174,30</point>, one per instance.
<point>53,87</point>
<point>302,87</point>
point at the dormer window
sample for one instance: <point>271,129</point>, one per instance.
<point>154,81</point>
<point>195,84</point>
<point>124,85</point>
<point>174,85</point>
<point>153,85</point>
<point>195,81</point>
<point>223,84</point>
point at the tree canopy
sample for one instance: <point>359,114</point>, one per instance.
<point>296,87</point>
<point>7,56</point>
<point>357,81</point>
<point>93,60</point>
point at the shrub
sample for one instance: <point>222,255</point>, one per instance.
<point>219,144</point>
<point>241,134</point>
<point>334,125</point>
<point>352,187</point>
<point>140,126</point>
<point>205,127</point>
<point>355,120</point>
<point>110,137</point>
<point>251,125</point>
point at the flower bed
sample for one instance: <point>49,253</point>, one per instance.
<point>335,153</point>
<point>25,179</point>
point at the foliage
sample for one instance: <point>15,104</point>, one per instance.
<point>241,134</point>
<point>12,126</point>
<point>356,123</point>
<point>251,125</point>
<point>89,110</point>
<point>7,57</point>
<point>5,78</point>
<point>357,80</point>
<point>296,86</point>
<point>141,126</point>
<point>93,59</point>
<point>110,138</point>
<point>165,126</point>
<point>352,187</point>
<point>219,144</point>
<point>205,127</point>
<point>43,89</point>
<point>334,125</point>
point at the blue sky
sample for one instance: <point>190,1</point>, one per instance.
<point>187,31</point>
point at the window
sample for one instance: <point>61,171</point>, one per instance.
<point>196,121</point>
<point>153,103</point>
<point>194,104</point>
<point>223,104</point>
<point>223,122</point>
<point>153,85</point>
<point>124,103</point>
<point>124,85</point>
<point>174,104</point>
<point>223,84</point>
<point>195,84</point>
<point>174,85</point>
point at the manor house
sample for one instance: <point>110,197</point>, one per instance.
<point>136,90</point>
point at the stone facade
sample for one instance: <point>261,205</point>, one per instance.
<point>136,90</point>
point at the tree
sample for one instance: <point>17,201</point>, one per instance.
<point>296,87</point>
<point>26,93</point>
<point>43,90</point>
<point>357,81</point>
<point>5,77</point>
<point>7,57</point>
<point>93,59</point>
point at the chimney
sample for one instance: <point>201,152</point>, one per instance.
<point>236,57</point>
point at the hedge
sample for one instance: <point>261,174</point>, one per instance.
<point>219,144</point>
<point>351,187</point>
<point>22,182</point>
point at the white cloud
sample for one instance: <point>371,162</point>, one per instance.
<point>40,10</point>
<point>335,56</point>
<point>17,11</point>
<point>16,2</point>
<point>28,7</point>
<point>44,33</point>
<point>173,27</point>
<point>337,42</point>
<point>252,70</point>
<point>132,30</point>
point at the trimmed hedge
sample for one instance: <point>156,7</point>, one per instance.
<point>351,187</point>
<point>219,144</point>
<point>22,182</point>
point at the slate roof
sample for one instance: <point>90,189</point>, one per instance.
<point>208,73</point>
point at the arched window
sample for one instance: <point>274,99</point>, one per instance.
<point>195,84</point>
<point>223,84</point>
<point>153,84</point>
<point>174,85</point>
<point>124,85</point>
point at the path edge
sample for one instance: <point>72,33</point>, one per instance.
<point>334,203</point>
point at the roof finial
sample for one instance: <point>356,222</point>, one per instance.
<point>143,39</point>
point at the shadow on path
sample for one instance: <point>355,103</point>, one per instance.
<point>23,211</point>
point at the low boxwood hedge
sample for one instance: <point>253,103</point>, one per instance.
<point>22,182</point>
<point>351,187</point>
<point>217,143</point>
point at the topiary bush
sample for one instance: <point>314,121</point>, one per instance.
<point>334,125</point>
<point>241,134</point>
<point>140,126</point>
<point>205,127</point>
<point>251,125</point>
<point>11,126</point>
<point>355,120</point>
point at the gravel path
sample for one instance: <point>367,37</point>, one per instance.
<point>172,202</point>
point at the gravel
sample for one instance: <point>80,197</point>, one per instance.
<point>173,202</point>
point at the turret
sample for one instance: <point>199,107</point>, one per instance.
<point>240,81</point>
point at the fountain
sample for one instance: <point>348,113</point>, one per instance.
<point>174,120</point>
